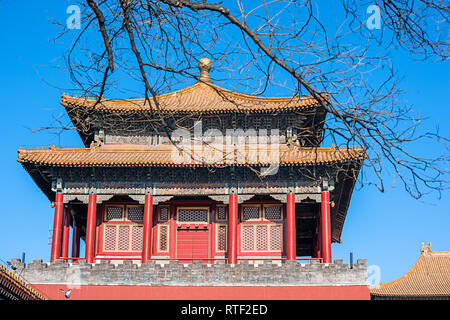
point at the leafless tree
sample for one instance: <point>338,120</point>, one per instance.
<point>143,48</point>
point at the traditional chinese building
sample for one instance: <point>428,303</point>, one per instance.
<point>146,197</point>
<point>428,279</point>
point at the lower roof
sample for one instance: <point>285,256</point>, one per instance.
<point>14,288</point>
<point>168,155</point>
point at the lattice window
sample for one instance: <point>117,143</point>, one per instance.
<point>256,123</point>
<point>110,238</point>
<point>261,238</point>
<point>245,123</point>
<point>267,123</point>
<point>276,238</point>
<point>222,237</point>
<point>248,238</point>
<point>122,238</point>
<point>273,212</point>
<point>221,213</point>
<point>114,213</point>
<point>250,212</point>
<point>291,121</point>
<point>189,215</point>
<point>163,238</point>
<point>257,238</point>
<point>211,123</point>
<point>172,175</point>
<point>137,234</point>
<point>164,213</point>
<point>135,213</point>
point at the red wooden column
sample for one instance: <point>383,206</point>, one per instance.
<point>291,253</point>
<point>75,239</point>
<point>90,228</point>
<point>232,229</point>
<point>148,219</point>
<point>65,233</point>
<point>318,246</point>
<point>57,227</point>
<point>326,228</point>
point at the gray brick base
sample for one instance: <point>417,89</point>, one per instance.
<point>196,274</point>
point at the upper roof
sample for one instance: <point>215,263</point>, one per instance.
<point>429,277</point>
<point>162,155</point>
<point>202,97</point>
<point>198,98</point>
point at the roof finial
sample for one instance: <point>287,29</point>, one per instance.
<point>204,65</point>
<point>426,249</point>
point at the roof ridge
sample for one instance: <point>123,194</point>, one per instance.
<point>439,253</point>
<point>199,84</point>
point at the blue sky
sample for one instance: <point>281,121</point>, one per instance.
<point>385,228</point>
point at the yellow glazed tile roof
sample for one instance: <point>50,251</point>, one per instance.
<point>198,98</point>
<point>429,277</point>
<point>16,288</point>
<point>161,155</point>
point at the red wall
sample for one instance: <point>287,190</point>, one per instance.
<point>52,291</point>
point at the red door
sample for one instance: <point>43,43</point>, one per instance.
<point>192,244</point>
